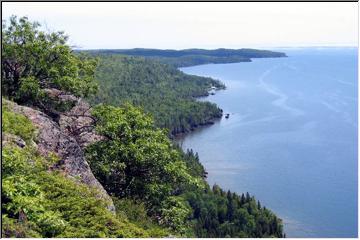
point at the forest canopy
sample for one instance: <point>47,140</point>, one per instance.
<point>161,90</point>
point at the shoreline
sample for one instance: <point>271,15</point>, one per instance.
<point>181,135</point>
<point>209,122</point>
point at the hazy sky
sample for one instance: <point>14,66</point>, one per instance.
<point>201,25</point>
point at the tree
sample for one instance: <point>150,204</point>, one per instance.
<point>171,99</point>
<point>230,205</point>
<point>33,60</point>
<point>242,201</point>
<point>259,205</point>
<point>216,189</point>
<point>248,198</point>
<point>135,159</point>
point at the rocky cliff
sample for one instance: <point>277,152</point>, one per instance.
<point>67,138</point>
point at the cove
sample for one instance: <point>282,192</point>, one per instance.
<point>290,139</point>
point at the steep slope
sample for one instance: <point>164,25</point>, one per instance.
<point>52,139</point>
<point>48,187</point>
<point>50,191</point>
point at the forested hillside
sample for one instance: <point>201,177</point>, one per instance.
<point>191,57</point>
<point>39,199</point>
<point>159,89</point>
<point>71,170</point>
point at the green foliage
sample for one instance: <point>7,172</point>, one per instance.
<point>175,213</point>
<point>137,162</point>
<point>32,60</point>
<point>193,60</point>
<point>16,124</point>
<point>161,90</point>
<point>221,214</point>
<point>135,159</point>
<point>193,163</point>
<point>30,89</point>
<point>136,212</point>
<point>216,213</point>
<point>158,190</point>
<point>37,202</point>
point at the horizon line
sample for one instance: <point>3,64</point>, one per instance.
<point>254,47</point>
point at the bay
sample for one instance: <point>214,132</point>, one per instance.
<point>291,138</point>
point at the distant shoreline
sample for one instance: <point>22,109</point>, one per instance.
<point>192,57</point>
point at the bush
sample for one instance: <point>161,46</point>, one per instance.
<point>136,212</point>
<point>33,60</point>
<point>37,202</point>
<point>135,159</point>
<point>16,124</point>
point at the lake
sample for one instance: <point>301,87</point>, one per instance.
<point>291,138</point>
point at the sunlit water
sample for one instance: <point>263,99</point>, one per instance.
<point>291,139</point>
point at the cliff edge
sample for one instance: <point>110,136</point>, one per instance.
<point>67,139</point>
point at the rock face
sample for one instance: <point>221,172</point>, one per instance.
<point>79,123</point>
<point>11,138</point>
<point>58,139</point>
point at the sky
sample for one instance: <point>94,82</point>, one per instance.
<point>195,25</point>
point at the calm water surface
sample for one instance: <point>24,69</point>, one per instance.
<point>291,139</point>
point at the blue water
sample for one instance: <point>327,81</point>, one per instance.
<point>291,139</point>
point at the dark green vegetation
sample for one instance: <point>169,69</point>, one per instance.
<point>191,57</point>
<point>37,202</point>
<point>138,161</point>
<point>149,79</point>
<point>157,189</point>
<point>217,213</point>
<point>32,60</point>
<point>159,89</point>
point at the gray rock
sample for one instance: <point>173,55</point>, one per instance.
<point>63,96</point>
<point>53,138</point>
<point>79,123</point>
<point>11,138</point>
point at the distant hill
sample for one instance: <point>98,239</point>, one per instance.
<point>192,57</point>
